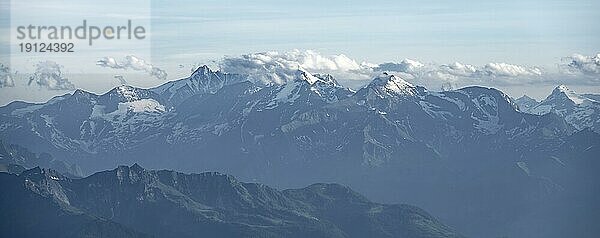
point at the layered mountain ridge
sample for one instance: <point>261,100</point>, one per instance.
<point>390,140</point>
<point>130,201</point>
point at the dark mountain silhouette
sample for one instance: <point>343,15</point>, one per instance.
<point>133,201</point>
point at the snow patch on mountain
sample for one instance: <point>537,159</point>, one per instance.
<point>137,106</point>
<point>25,110</point>
<point>143,105</point>
<point>289,92</point>
<point>486,116</point>
<point>489,124</point>
<point>128,92</point>
<point>460,104</point>
<point>434,111</point>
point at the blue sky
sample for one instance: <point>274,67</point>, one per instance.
<point>524,32</point>
<point>531,33</point>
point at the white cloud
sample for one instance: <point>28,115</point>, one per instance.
<point>492,70</point>
<point>6,79</point>
<point>48,74</point>
<point>109,62</point>
<point>458,74</point>
<point>582,64</point>
<point>134,63</point>
<point>280,67</point>
<point>509,70</point>
<point>454,70</point>
<point>405,66</point>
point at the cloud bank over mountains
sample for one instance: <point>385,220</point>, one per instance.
<point>276,67</point>
<point>458,74</point>
<point>280,67</point>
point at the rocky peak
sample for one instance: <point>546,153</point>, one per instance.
<point>45,182</point>
<point>564,94</point>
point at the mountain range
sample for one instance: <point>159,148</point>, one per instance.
<point>486,164</point>
<point>135,202</point>
<point>580,110</point>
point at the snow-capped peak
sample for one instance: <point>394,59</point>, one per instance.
<point>393,84</point>
<point>202,70</point>
<point>202,80</point>
<point>302,75</point>
<point>562,89</point>
<point>290,91</point>
<point>576,108</point>
<point>304,83</point>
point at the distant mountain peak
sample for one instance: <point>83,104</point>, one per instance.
<point>202,70</point>
<point>562,91</point>
<point>393,84</point>
<point>302,75</point>
<point>525,97</point>
<point>80,94</point>
<point>136,167</point>
<point>525,103</point>
<point>80,91</point>
<point>202,81</point>
<point>579,110</point>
